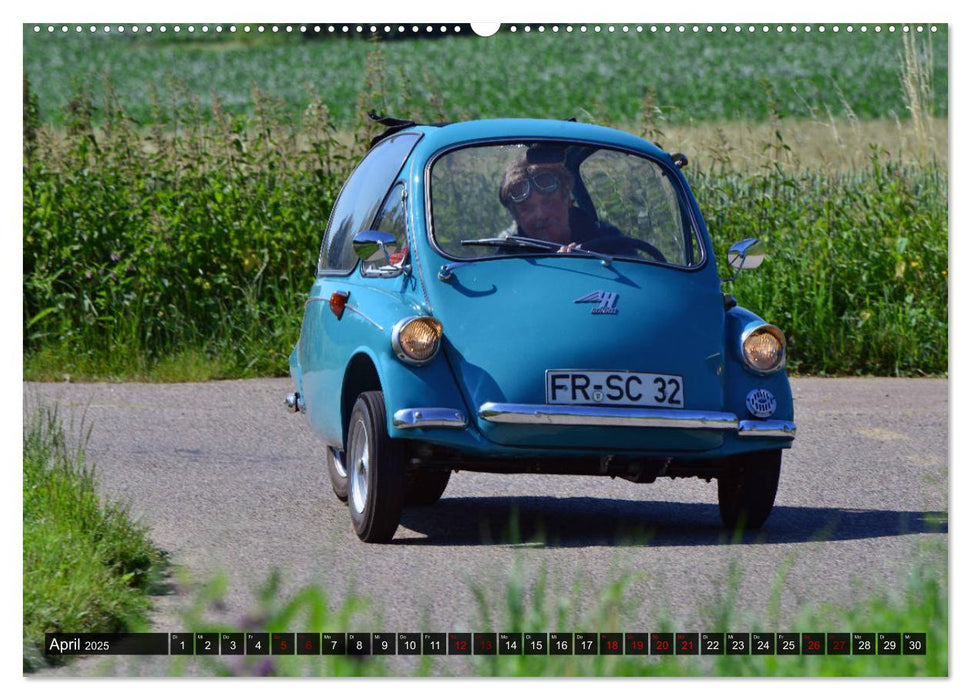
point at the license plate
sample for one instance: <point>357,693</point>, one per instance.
<point>565,386</point>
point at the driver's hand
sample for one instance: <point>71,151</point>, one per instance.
<point>567,248</point>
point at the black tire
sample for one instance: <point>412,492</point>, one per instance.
<point>335,469</point>
<point>424,488</point>
<point>746,492</point>
<point>375,471</point>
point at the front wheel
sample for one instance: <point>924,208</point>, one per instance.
<point>375,471</point>
<point>746,492</point>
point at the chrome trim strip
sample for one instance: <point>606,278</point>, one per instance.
<point>537,414</point>
<point>408,418</point>
<point>766,428</point>
<point>348,307</point>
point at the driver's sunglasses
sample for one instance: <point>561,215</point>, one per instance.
<point>547,183</point>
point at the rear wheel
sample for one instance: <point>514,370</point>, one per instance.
<point>375,470</point>
<point>746,492</point>
<point>337,472</point>
<point>424,488</point>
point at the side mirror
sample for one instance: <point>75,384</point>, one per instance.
<point>745,255</point>
<point>381,254</point>
<point>368,243</point>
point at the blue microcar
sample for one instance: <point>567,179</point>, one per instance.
<point>520,295</point>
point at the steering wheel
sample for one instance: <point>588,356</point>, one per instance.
<point>615,244</point>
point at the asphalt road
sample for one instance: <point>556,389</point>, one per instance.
<point>230,482</point>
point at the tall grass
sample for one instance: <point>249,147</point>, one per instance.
<point>195,238</point>
<point>87,567</point>
<point>857,263</point>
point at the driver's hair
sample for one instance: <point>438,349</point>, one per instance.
<point>520,169</point>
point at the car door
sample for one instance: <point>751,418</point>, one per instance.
<point>322,352</point>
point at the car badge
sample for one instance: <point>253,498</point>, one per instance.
<point>607,302</point>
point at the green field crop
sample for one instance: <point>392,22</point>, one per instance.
<point>596,76</point>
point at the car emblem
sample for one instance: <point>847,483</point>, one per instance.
<point>607,301</point>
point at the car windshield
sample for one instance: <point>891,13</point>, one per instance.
<point>554,197</point>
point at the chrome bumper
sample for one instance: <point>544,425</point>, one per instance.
<point>408,418</point>
<point>602,416</point>
<point>766,428</point>
<point>598,416</point>
<point>295,402</point>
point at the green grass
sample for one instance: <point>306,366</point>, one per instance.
<point>87,567</point>
<point>856,272</point>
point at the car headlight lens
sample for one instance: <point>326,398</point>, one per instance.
<point>416,340</point>
<point>764,348</point>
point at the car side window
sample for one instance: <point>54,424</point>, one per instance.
<point>359,201</point>
<point>391,219</point>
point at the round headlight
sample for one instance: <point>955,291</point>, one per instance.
<point>416,340</point>
<point>764,348</point>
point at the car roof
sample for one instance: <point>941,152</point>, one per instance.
<point>437,137</point>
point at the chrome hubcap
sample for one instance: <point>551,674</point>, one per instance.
<point>359,465</point>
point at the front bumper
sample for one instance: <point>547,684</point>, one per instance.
<point>602,416</point>
<point>596,416</point>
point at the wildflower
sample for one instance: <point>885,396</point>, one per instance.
<point>265,668</point>
<point>115,257</point>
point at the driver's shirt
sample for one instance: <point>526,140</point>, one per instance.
<point>583,227</point>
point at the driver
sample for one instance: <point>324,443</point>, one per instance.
<point>540,198</point>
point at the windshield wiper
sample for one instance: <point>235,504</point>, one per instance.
<point>514,242</point>
<point>535,244</point>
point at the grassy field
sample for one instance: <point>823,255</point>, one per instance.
<point>171,224</point>
<point>87,567</point>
